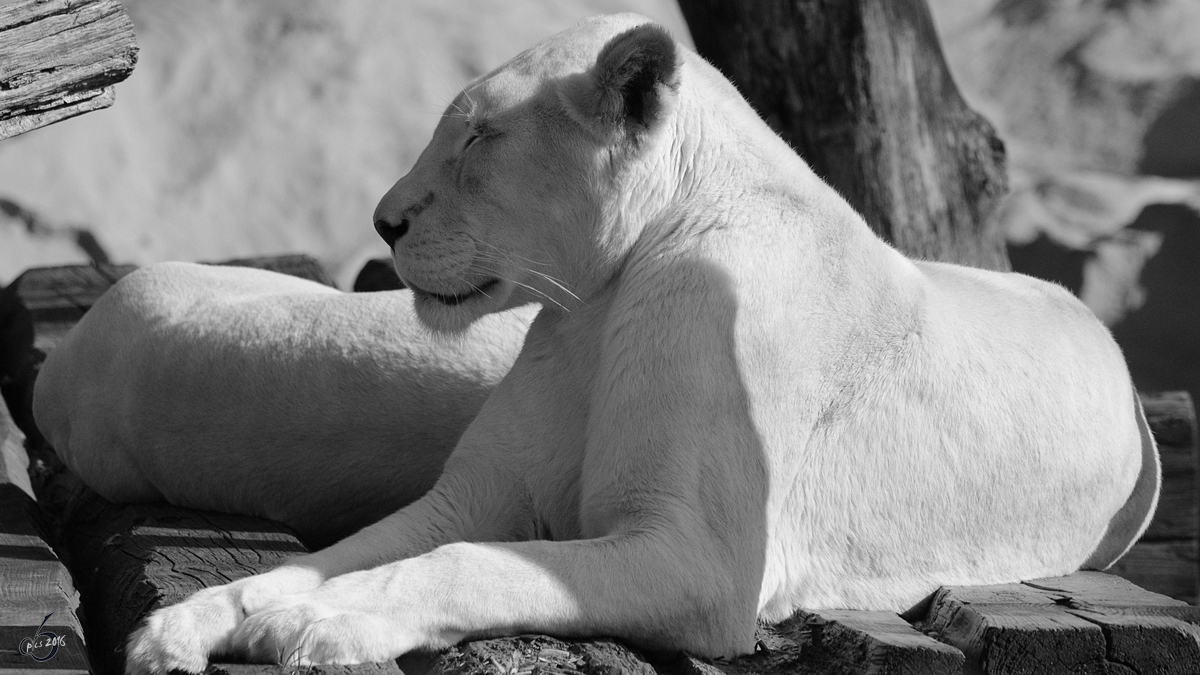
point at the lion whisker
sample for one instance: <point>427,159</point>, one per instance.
<point>510,256</point>
<point>560,285</point>
<point>466,114</point>
<point>543,294</point>
<point>532,289</point>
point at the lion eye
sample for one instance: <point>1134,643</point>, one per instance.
<point>476,130</point>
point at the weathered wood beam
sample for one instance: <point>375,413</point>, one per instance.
<point>59,59</point>
<point>1085,622</point>
<point>131,560</point>
<point>861,89</point>
<point>1167,559</point>
<point>35,590</point>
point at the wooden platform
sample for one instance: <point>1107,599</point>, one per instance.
<point>126,561</point>
<point>1166,560</point>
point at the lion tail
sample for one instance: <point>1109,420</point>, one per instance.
<point>1134,516</point>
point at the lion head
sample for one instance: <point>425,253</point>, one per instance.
<point>539,175</point>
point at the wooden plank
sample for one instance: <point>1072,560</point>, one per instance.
<point>529,654</point>
<point>377,275</point>
<point>1012,628</point>
<point>14,463</point>
<point>833,641</point>
<point>35,590</point>
<point>1171,416</point>
<point>1167,567</point>
<point>57,297</point>
<point>60,58</point>
<point>131,560</point>
<point>878,643</point>
<point>268,669</point>
<point>1178,514</point>
<point>297,265</point>
<point>18,360</point>
<point>1145,631</point>
<point>1088,622</point>
<point>1166,559</point>
<point>1098,589</point>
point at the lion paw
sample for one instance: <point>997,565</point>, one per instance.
<point>182,636</point>
<point>306,632</point>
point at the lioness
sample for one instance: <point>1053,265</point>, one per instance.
<point>246,391</point>
<point>736,400</point>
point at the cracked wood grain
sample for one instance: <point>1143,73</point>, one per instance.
<point>1088,622</point>
<point>129,560</point>
<point>59,59</point>
<point>36,589</point>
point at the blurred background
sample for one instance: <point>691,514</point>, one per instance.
<point>258,127</point>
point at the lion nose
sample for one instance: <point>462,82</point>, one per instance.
<point>391,232</point>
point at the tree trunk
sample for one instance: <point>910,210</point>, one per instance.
<point>860,88</point>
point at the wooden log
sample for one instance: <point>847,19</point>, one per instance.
<point>270,669</point>
<point>38,600</point>
<point>14,462</point>
<point>377,275</point>
<point>1088,622</point>
<point>129,560</point>
<point>1178,514</point>
<point>1166,559</point>
<point>861,89</point>
<point>60,58</point>
<point>57,297</point>
<point>16,335</point>
<point>1167,567</point>
<point>878,642</point>
<point>297,265</point>
<point>1171,416</point>
<point>530,654</point>
<point>868,642</point>
<point>833,641</point>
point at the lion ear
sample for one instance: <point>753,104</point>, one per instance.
<point>632,85</point>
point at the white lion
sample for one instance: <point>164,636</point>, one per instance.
<point>245,391</point>
<point>736,400</point>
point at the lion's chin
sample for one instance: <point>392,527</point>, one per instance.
<point>477,292</point>
<point>454,313</point>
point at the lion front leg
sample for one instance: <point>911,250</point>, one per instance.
<point>654,591</point>
<point>212,622</point>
